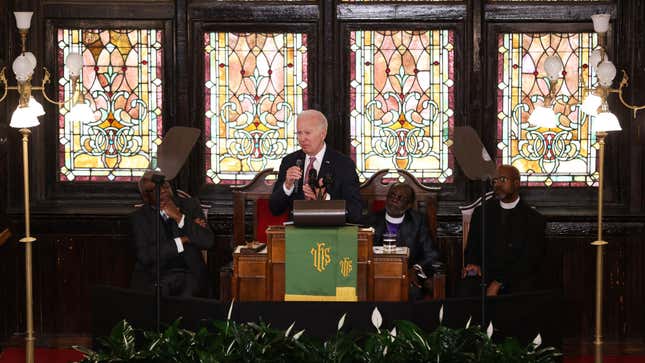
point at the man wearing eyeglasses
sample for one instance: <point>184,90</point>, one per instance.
<point>514,241</point>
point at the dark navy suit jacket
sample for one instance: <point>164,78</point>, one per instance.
<point>345,183</point>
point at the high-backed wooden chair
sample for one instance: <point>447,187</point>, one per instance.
<point>466,217</point>
<point>254,196</point>
<point>374,193</point>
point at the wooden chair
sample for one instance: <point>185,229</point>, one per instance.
<point>466,216</point>
<point>253,197</point>
<point>374,193</point>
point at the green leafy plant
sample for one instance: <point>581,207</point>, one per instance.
<point>229,341</point>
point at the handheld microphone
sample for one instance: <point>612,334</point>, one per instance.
<point>299,163</point>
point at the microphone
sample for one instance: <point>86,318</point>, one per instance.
<point>311,178</point>
<point>328,180</point>
<point>299,163</point>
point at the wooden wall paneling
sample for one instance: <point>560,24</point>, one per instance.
<point>79,246</point>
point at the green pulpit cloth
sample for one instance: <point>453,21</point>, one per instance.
<point>321,263</point>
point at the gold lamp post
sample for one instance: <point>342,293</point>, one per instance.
<point>602,121</point>
<point>23,118</point>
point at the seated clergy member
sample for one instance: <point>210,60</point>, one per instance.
<point>183,233</point>
<point>514,241</point>
<point>411,230</point>
<point>335,172</point>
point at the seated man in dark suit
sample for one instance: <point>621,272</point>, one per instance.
<point>412,231</point>
<point>514,241</point>
<point>336,173</point>
<point>183,233</point>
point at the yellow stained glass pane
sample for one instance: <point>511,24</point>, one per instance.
<point>255,85</point>
<point>561,156</point>
<point>122,80</point>
<point>402,102</point>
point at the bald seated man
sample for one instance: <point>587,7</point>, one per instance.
<point>336,177</point>
<point>183,234</point>
<point>514,241</point>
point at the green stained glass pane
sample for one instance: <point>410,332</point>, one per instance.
<point>255,85</point>
<point>402,102</point>
<point>122,81</point>
<point>561,156</point>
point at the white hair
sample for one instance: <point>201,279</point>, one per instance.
<point>317,115</point>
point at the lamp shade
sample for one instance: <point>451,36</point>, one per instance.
<point>74,63</point>
<point>605,121</point>
<point>600,22</point>
<point>36,107</point>
<point>595,58</point>
<point>23,67</point>
<point>23,19</point>
<point>553,67</point>
<point>24,117</point>
<point>606,73</point>
<point>591,104</point>
<point>543,117</point>
<point>81,112</point>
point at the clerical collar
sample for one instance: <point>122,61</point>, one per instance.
<point>510,205</point>
<point>394,220</point>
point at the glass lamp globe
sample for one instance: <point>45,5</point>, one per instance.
<point>543,117</point>
<point>604,122</point>
<point>24,117</point>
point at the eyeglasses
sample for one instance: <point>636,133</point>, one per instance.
<point>501,179</point>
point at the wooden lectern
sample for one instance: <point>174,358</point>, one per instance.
<point>260,276</point>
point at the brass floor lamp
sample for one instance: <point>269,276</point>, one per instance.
<point>25,117</point>
<point>601,121</point>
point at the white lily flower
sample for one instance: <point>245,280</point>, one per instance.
<point>230,310</point>
<point>298,334</point>
<point>377,319</point>
<point>489,331</point>
<point>393,334</point>
<point>341,322</point>
<point>230,346</point>
<point>441,314</point>
<point>537,341</point>
<point>385,351</point>
<point>286,334</point>
<point>468,322</point>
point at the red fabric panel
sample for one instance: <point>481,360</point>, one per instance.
<point>41,355</point>
<point>377,205</point>
<point>264,219</point>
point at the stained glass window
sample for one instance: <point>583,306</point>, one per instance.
<point>402,102</point>
<point>560,156</point>
<point>256,84</point>
<point>122,79</point>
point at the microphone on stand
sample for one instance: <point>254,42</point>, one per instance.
<point>299,163</point>
<point>311,178</point>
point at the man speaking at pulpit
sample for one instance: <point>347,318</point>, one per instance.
<point>316,171</point>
